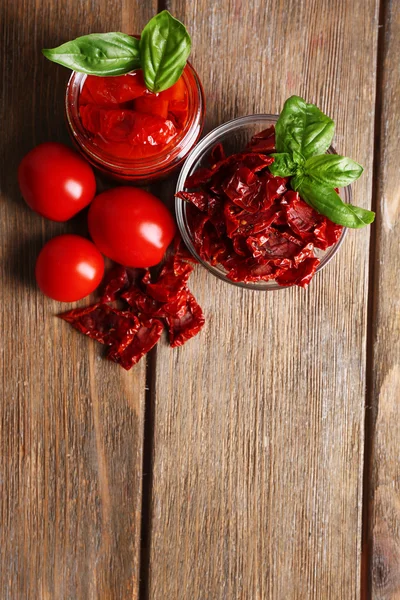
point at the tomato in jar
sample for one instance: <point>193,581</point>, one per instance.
<point>128,121</point>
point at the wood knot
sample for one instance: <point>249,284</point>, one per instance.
<point>380,570</point>
<point>385,569</point>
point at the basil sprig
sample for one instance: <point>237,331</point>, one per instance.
<point>161,53</point>
<point>303,135</point>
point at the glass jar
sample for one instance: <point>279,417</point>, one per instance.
<point>140,170</point>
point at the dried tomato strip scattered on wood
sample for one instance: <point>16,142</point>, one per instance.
<point>131,333</point>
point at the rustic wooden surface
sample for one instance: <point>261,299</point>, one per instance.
<point>383,495</point>
<point>259,421</point>
<point>71,436</point>
<point>247,451</point>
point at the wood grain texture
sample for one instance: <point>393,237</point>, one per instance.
<point>384,567</point>
<point>71,424</point>
<point>258,421</point>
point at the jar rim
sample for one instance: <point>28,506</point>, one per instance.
<point>158,164</point>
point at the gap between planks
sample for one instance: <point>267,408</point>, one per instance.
<point>369,421</point>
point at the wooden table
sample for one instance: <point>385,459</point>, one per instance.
<point>260,461</point>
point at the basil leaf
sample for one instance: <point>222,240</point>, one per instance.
<point>283,165</point>
<point>303,129</point>
<point>98,54</point>
<point>296,181</point>
<point>164,49</point>
<point>333,170</point>
<point>327,202</point>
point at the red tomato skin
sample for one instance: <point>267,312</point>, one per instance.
<point>69,268</point>
<point>55,181</point>
<point>131,226</point>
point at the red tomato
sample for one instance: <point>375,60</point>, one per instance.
<point>68,268</point>
<point>131,226</point>
<point>55,181</point>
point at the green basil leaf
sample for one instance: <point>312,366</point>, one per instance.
<point>296,181</point>
<point>98,54</point>
<point>327,202</point>
<point>333,170</point>
<point>283,165</point>
<point>164,49</point>
<point>303,129</point>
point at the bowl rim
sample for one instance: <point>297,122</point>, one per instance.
<point>199,149</point>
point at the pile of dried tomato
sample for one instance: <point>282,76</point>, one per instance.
<point>250,222</point>
<point>148,305</point>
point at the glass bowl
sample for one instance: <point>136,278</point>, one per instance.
<point>139,170</point>
<point>234,135</point>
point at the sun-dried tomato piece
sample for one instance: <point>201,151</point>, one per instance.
<point>251,269</point>
<point>116,281</point>
<point>326,234</point>
<point>231,215</point>
<point>243,223</point>
<point>243,189</point>
<point>212,248</point>
<point>175,307</point>
<point>199,199</point>
<point>287,233</point>
<point>103,323</point>
<point>263,141</point>
<point>217,154</point>
<point>199,177</point>
<point>181,252</point>
<point>300,275</point>
<point>275,187</point>
<point>240,245</point>
<point>140,301</point>
<point>197,221</point>
<point>144,340</point>
<point>182,328</point>
<point>273,245</point>
<point>169,284</point>
<point>300,216</point>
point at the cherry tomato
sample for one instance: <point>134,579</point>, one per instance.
<point>68,268</point>
<point>131,226</point>
<point>55,181</point>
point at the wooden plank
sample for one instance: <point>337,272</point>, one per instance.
<point>258,422</point>
<point>384,491</point>
<point>71,424</point>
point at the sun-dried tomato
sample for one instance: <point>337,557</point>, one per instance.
<point>144,340</point>
<point>116,281</point>
<point>182,328</point>
<point>130,334</point>
<point>243,189</point>
<point>199,177</point>
<point>300,275</point>
<point>246,219</point>
<point>217,154</point>
<point>198,199</point>
<point>263,141</point>
<point>103,323</point>
<point>326,233</point>
<point>169,284</point>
